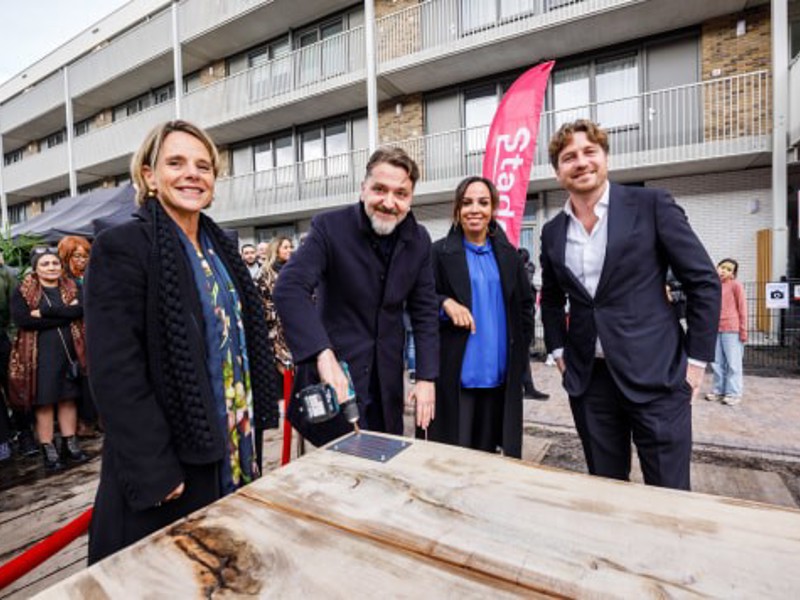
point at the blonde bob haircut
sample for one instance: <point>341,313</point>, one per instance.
<point>147,154</point>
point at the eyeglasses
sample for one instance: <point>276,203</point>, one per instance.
<point>44,250</point>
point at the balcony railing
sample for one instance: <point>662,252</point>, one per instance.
<point>199,16</point>
<point>47,164</point>
<point>124,53</point>
<point>437,23</point>
<point>119,139</point>
<point>723,117</point>
<point>299,187</point>
<point>320,64</point>
<point>46,95</point>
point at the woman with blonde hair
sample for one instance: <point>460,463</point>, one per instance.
<point>181,366</point>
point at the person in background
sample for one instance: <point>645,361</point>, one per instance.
<point>731,337</point>
<point>7,285</point>
<point>279,252</point>
<point>250,259</point>
<point>262,252</point>
<point>486,325</point>
<point>529,389</point>
<point>74,252</point>
<point>48,355</point>
<point>181,366</point>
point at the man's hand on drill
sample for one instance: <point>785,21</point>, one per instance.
<point>331,373</point>
<point>423,395</point>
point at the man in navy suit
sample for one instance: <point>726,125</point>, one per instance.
<point>629,369</point>
<point>341,297</point>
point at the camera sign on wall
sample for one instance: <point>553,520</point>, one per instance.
<point>778,295</point>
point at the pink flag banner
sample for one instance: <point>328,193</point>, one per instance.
<point>511,143</point>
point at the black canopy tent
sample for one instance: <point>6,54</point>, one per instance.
<point>82,215</point>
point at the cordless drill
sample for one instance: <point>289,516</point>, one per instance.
<point>319,402</point>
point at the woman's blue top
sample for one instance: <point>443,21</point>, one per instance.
<point>485,359</point>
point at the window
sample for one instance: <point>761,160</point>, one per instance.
<point>17,214</point>
<point>571,94</point>
<point>617,88</point>
<point>164,93</point>
<point>13,157</point>
<point>604,90</point>
<point>275,158</point>
<point>323,60</point>
<point>477,14</point>
<point>83,127</point>
<point>480,104</point>
<point>272,69</point>
<point>324,150</point>
<point>55,139</point>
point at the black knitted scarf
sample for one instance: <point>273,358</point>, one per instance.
<point>188,418</point>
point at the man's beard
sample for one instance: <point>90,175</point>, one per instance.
<point>381,226</point>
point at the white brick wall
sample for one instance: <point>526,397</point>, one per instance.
<point>726,210</point>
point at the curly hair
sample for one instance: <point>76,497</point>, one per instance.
<point>67,247</point>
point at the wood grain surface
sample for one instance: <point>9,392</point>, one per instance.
<point>451,522</point>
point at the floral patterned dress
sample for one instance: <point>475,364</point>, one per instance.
<point>228,367</point>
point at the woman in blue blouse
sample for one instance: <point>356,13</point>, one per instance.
<point>486,319</point>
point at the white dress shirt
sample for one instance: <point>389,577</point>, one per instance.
<point>586,250</point>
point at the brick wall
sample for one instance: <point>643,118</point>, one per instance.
<point>401,119</point>
<point>400,35</point>
<point>736,108</point>
<point>103,118</point>
<point>213,72</point>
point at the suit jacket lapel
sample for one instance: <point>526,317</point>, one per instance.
<point>622,211</point>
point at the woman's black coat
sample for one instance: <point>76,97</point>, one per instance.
<point>452,281</point>
<point>142,463</point>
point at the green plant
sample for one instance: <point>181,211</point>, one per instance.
<point>17,251</point>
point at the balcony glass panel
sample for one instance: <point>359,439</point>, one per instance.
<point>617,85</point>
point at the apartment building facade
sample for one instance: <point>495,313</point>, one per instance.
<point>685,88</point>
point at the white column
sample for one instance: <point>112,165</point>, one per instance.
<point>177,60</point>
<point>73,179</point>
<point>372,81</point>
<point>780,138</point>
<point>3,199</point>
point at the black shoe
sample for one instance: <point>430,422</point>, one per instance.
<point>534,394</point>
<point>27,445</point>
<point>72,451</point>
<point>52,464</point>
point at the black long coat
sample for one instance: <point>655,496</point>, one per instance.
<point>359,309</point>
<point>452,281</point>
<point>141,463</point>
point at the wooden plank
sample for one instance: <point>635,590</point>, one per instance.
<point>70,560</point>
<point>568,533</point>
<point>237,547</point>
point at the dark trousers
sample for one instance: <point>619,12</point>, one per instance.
<point>480,418</point>
<point>661,429</point>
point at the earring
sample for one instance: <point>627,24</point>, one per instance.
<point>151,193</point>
